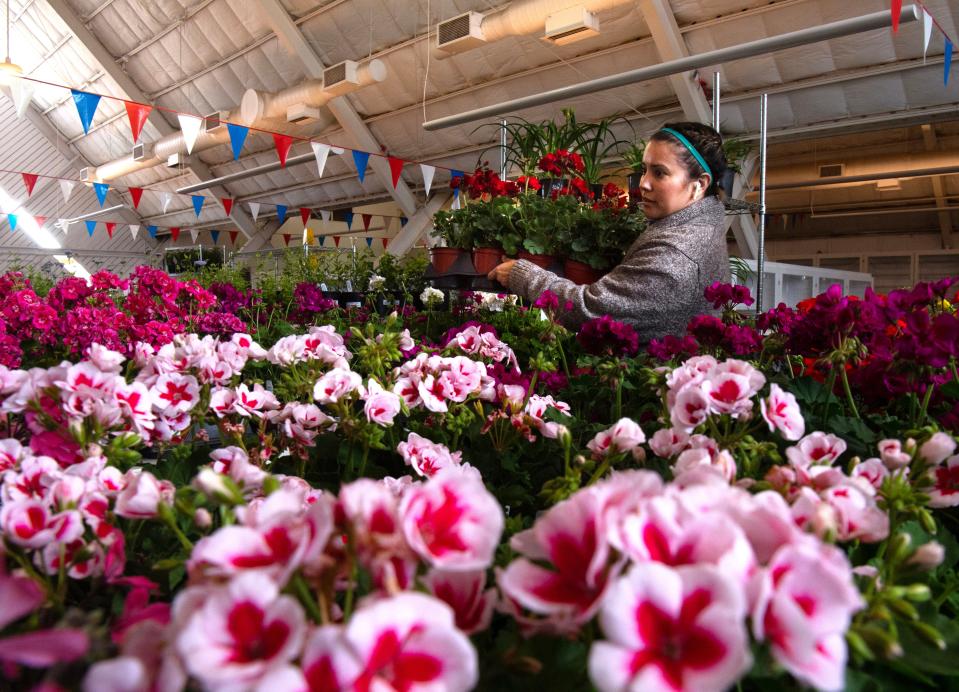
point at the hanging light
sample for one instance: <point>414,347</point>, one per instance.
<point>9,70</point>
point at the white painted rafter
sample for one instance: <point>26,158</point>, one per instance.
<point>671,46</point>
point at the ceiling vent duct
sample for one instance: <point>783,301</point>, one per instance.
<point>831,170</point>
<point>571,25</point>
<point>341,78</point>
<point>461,33</point>
<point>142,151</point>
<point>301,113</point>
<point>177,159</point>
<point>215,121</point>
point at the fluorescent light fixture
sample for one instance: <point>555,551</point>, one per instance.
<point>41,236</point>
<point>115,207</point>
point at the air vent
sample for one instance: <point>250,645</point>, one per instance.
<point>214,121</point>
<point>460,33</point>
<point>86,174</point>
<point>571,25</point>
<point>142,151</point>
<point>301,113</point>
<point>831,170</point>
<point>341,77</point>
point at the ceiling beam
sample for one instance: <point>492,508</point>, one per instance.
<point>420,223</point>
<point>671,46</point>
<point>938,189</point>
<point>109,64</point>
<point>341,107</point>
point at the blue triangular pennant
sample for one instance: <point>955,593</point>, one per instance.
<point>349,220</point>
<point>86,107</point>
<point>361,159</point>
<point>91,226</point>
<point>101,190</point>
<point>12,218</point>
<point>238,135</point>
<point>369,242</point>
<point>322,240</point>
<point>198,204</point>
<point>216,236</point>
<point>456,193</point>
<point>948,63</point>
<point>152,230</point>
<point>281,213</point>
<point>403,221</point>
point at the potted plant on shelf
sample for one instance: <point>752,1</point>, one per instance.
<point>633,158</point>
<point>595,143</point>
<point>541,221</point>
<point>491,219</point>
<point>455,230</point>
<point>600,236</point>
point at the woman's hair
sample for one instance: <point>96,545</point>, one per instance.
<point>708,143</point>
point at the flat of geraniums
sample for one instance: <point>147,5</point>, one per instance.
<point>475,498</point>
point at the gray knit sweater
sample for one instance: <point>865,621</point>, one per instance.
<point>659,285</point>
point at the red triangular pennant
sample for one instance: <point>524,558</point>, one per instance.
<point>111,226</point>
<point>135,193</point>
<point>385,242</point>
<point>233,235</point>
<point>138,114</point>
<point>305,215</point>
<point>336,239</point>
<point>227,204</point>
<point>175,233</point>
<point>896,11</point>
<point>286,238</point>
<point>40,220</point>
<point>366,221</point>
<point>283,144</point>
<point>396,167</point>
<point>29,179</point>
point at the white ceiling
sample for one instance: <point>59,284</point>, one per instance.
<point>200,57</point>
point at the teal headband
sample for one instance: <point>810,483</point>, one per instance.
<point>692,150</point>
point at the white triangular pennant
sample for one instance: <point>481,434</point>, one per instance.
<point>165,199</point>
<point>193,234</point>
<point>326,214</point>
<point>22,92</point>
<point>428,172</point>
<point>321,152</point>
<point>254,209</point>
<point>190,126</point>
<point>339,151</point>
<point>66,189</point>
<point>456,202</point>
<point>134,228</point>
<point>926,32</point>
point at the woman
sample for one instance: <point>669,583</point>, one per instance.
<point>659,285</point>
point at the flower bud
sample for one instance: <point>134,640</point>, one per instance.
<point>202,518</point>
<point>927,521</point>
<point>929,634</point>
<point>899,547</point>
<point>903,609</point>
<point>918,593</point>
<point>928,556</point>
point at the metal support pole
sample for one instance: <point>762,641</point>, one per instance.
<point>761,250</point>
<point>716,83</point>
<point>502,149</point>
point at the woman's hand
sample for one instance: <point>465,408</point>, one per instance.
<point>501,272</point>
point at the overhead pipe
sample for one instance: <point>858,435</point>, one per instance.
<point>844,27</point>
<point>257,109</point>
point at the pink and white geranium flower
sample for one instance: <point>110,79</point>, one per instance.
<point>175,393</point>
<point>240,632</point>
<point>782,413</point>
<point>452,521</point>
<point>671,629</point>
<point>336,384</point>
<point>425,456</point>
<point>624,436</point>
<point>817,448</point>
<point>381,405</point>
<point>804,606</point>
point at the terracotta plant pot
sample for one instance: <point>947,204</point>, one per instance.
<point>443,258</point>
<point>580,272</point>
<point>543,261</point>
<point>485,259</point>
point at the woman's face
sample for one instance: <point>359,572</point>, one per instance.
<point>665,186</point>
